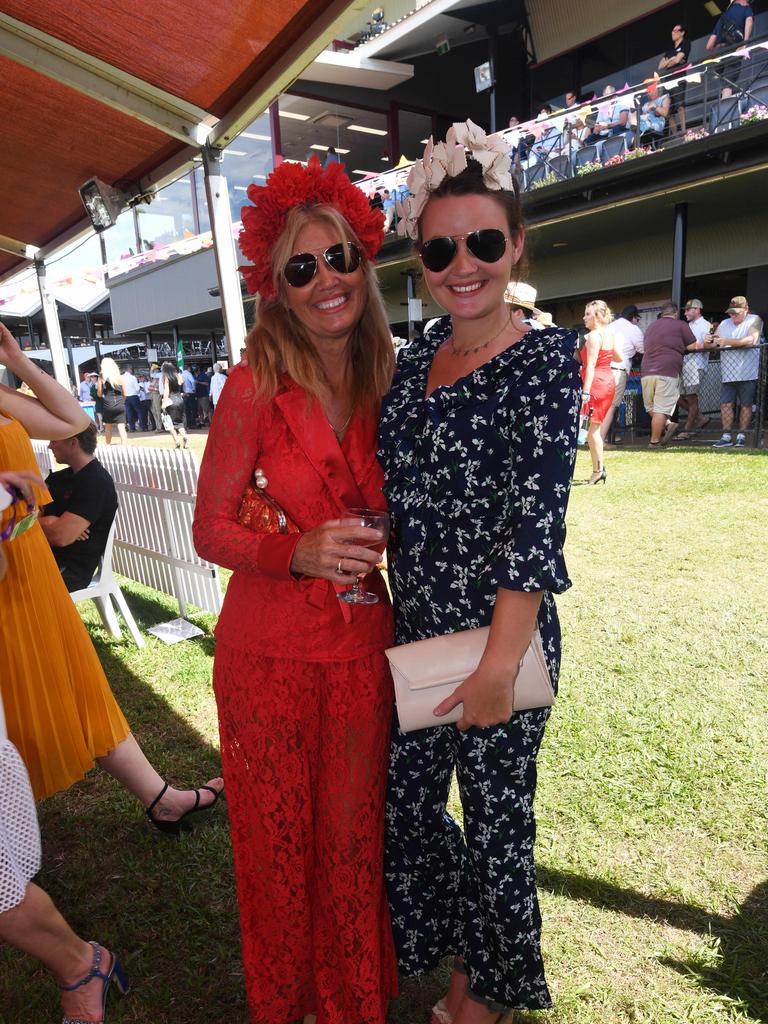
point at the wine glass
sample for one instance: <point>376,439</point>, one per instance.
<point>374,519</point>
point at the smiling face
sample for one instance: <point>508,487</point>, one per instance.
<point>332,304</point>
<point>469,288</point>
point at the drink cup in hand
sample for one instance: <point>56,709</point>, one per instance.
<point>374,519</point>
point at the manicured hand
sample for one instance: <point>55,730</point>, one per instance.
<point>487,701</point>
<point>337,542</point>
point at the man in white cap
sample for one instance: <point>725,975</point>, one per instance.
<point>694,367</point>
<point>739,334</point>
<point>523,296</point>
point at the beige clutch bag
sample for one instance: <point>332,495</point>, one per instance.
<point>428,671</point>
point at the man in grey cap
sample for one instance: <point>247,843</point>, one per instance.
<point>739,334</point>
<point>694,367</point>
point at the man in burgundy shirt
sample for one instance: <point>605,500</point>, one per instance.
<point>666,342</point>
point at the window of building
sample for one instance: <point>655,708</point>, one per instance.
<point>120,239</point>
<point>414,130</point>
<point>247,161</point>
<point>169,217</point>
<point>357,138</point>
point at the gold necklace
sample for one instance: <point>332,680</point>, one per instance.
<point>478,348</point>
<point>340,431</point>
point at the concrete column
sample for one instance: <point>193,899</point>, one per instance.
<point>678,253</point>
<point>52,326</point>
<point>217,195</point>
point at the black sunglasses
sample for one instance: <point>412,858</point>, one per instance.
<point>488,245</point>
<point>343,258</point>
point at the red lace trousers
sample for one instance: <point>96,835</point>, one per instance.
<point>304,749</point>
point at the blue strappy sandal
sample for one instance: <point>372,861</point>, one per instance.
<point>115,974</point>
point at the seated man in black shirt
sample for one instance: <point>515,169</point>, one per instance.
<point>78,520</point>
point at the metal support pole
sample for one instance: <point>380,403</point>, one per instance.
<point>762,374</point>
<point>678,253</point>
<point>72,363</point>
<point>92,339</point>
<point>52,326</point>
<point>493,41</point>
<point>217,194</point>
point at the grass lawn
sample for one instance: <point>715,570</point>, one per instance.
<point>652,806</point>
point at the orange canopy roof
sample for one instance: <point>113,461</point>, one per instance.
<point>113,91</point>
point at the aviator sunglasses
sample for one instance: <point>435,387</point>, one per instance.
<point>343,258</point>
<point>488,245</point>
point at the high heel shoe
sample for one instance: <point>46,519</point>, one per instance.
<point>597,477</point>
<point>115,974</point>
<point>177,825</point>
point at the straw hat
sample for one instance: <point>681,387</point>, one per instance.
<point>545,319</point>
<point>520,294</point>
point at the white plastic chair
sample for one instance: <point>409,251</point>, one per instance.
<point>102,588</point>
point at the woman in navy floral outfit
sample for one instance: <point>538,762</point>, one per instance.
<point>478,440</point>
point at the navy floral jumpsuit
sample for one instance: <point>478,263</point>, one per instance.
<point>477,477</point>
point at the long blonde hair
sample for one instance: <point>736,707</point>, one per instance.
<point>600,311</point>
<point>110,371</point>
<point>278,343</point>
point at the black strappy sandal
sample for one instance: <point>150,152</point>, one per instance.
<point>177,825</point>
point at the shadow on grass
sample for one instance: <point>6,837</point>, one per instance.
<point>738,968</point>
<point>166,904</point>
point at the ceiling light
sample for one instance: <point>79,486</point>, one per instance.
<point>256,137</point>
<point>259,177</point>
<point>712,8</point>
<point>292,116</point>
<point>358,171</point>
<point>423,141</point>
<point>235,152</point>
<point>559,245</point>
<point>240,188</point>
<point>363,128</point>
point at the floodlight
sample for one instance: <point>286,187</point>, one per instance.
<point>103,203</point>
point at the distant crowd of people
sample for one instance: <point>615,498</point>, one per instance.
<point>162,398</point>
<point>673,359</point>
<point>660,112</point>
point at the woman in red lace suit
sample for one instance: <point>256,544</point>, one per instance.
<point>302,686</point>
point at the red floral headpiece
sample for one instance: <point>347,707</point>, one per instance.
<point>292,185</point>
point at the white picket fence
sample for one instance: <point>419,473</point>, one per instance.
<point>156,489</point>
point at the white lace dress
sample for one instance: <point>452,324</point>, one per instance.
<point>19,833</point>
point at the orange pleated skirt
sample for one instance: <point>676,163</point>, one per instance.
<point>60,712</point>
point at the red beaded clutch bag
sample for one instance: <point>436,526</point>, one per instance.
<point>260,512</point>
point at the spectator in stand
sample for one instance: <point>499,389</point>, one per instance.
<point>132,405</point>
<point>514,121</point>
<point>612,117</point>
<point>524,157</point>
<point>202,391</point>
<point>600,349</point>
<point>666,342</point>
<point>78,520</point>
<point>739,365</point>
<point>218,380</point>
<point>652,123</point>
<point>189,390</point>
<point>626,329</point>
<point>84,390</point>
<point>376,201</point>
<point>676,58</point>
<point>694,368</point>
<point>155,396</point>
<point>733,26</point>
<point>389,209</point>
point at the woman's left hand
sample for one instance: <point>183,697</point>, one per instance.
<point>488,700</point>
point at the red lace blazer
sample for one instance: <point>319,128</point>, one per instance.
<point>313,478</point>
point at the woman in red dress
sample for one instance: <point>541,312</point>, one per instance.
<point>303,690</point>
<point>601,348</point>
